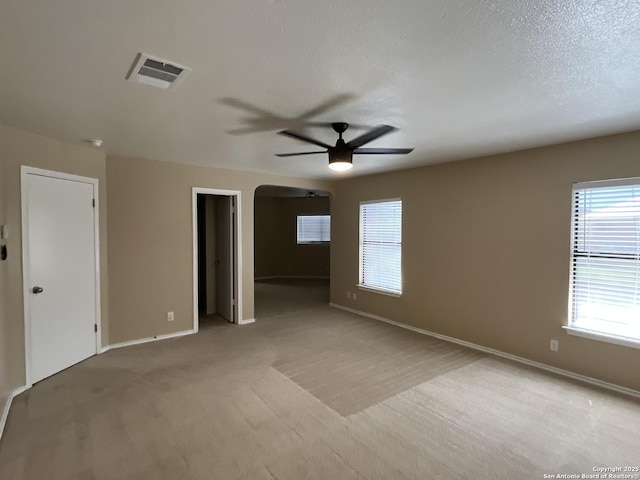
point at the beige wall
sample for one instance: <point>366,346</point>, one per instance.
<point>486,250</point>
<point>486,245</point>
<point>277,253</point>
<point>18,148</point>
<point>5,383</point>
<point>150,240</point>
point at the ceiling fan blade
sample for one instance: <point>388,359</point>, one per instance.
<point>297,136</point>
<point>370,136</point>
<point>247,107</point>
<point>296,154</point>
<point>383,151</point>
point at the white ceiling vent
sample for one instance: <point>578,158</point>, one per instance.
<point>157,72</point>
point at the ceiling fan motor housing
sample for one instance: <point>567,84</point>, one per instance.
<point>340,155</point>
<point>340,127</point>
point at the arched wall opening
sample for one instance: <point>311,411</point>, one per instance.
<point>292,249</point>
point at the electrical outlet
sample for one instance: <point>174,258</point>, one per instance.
<point>348,295</point>
<point>553,345</point>
<point>170,316</point>
<point>354,296</point>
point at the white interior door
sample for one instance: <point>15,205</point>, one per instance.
<point>225,242</point>
<point>60,273</point>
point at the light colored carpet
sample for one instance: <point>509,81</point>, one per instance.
<point>311,393</point>
<point>276,297</point>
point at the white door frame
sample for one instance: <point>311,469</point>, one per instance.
<point>238,247</point>
<point>26,281</point>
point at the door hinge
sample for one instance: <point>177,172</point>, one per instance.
<point>95,327</point>
<point>93,202</point>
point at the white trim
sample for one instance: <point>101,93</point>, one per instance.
<point>5,412</point>
<point>24,172</point>
<point>293,277</point>
<point>515,358</point>
<point>573,327</point>
<point>20,390</point>
<point>382,291</point>
<point>382,200</point>
<point>55,174</point>
<point>617,182</point>
<point>7,407</point>
<point>25,279</point>
<point>570,297</point>
<point>391,293</point>
<point>96,233</point>
<point>246,321</point>
<point>318,243</point>
<point>602,337</point>
<point>148,339</point>
<point>238,247</point>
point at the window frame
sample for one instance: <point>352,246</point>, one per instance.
<point>573,327</point>
<point>361,285</point>
<point>319,242</point>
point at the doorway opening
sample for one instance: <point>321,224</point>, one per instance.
<point>292,243</point>
<point>217,296</point>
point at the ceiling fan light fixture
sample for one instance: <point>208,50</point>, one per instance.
<point>340,161</point>
<point>341,156</point>
<point>340,166</point>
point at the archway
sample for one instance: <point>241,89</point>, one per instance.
<point>292,247</point>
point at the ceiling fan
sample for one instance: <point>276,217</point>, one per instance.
<point>341,156</point>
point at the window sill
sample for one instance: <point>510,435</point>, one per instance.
<point>603,337</point>
<point>380,291</point>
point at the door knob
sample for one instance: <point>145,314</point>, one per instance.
<point>37,289</point>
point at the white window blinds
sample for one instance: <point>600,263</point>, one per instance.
<point>605,260</point>
<point>314,229</point>
<point>381,245</point>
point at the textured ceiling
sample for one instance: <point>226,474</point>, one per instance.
<point>459,78</point>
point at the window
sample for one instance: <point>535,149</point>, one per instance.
<point>605,259</point>
<point>314,229</point>
<point>381,246</point>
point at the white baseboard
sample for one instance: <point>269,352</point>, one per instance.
<point>515,358</point>
<point>147,340</point>
<point>292,277</point>
<point>246,321</point>
<point>7,406</point>
<point>20,390</point>
<point>5,412</point>
<point>7,403</point>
